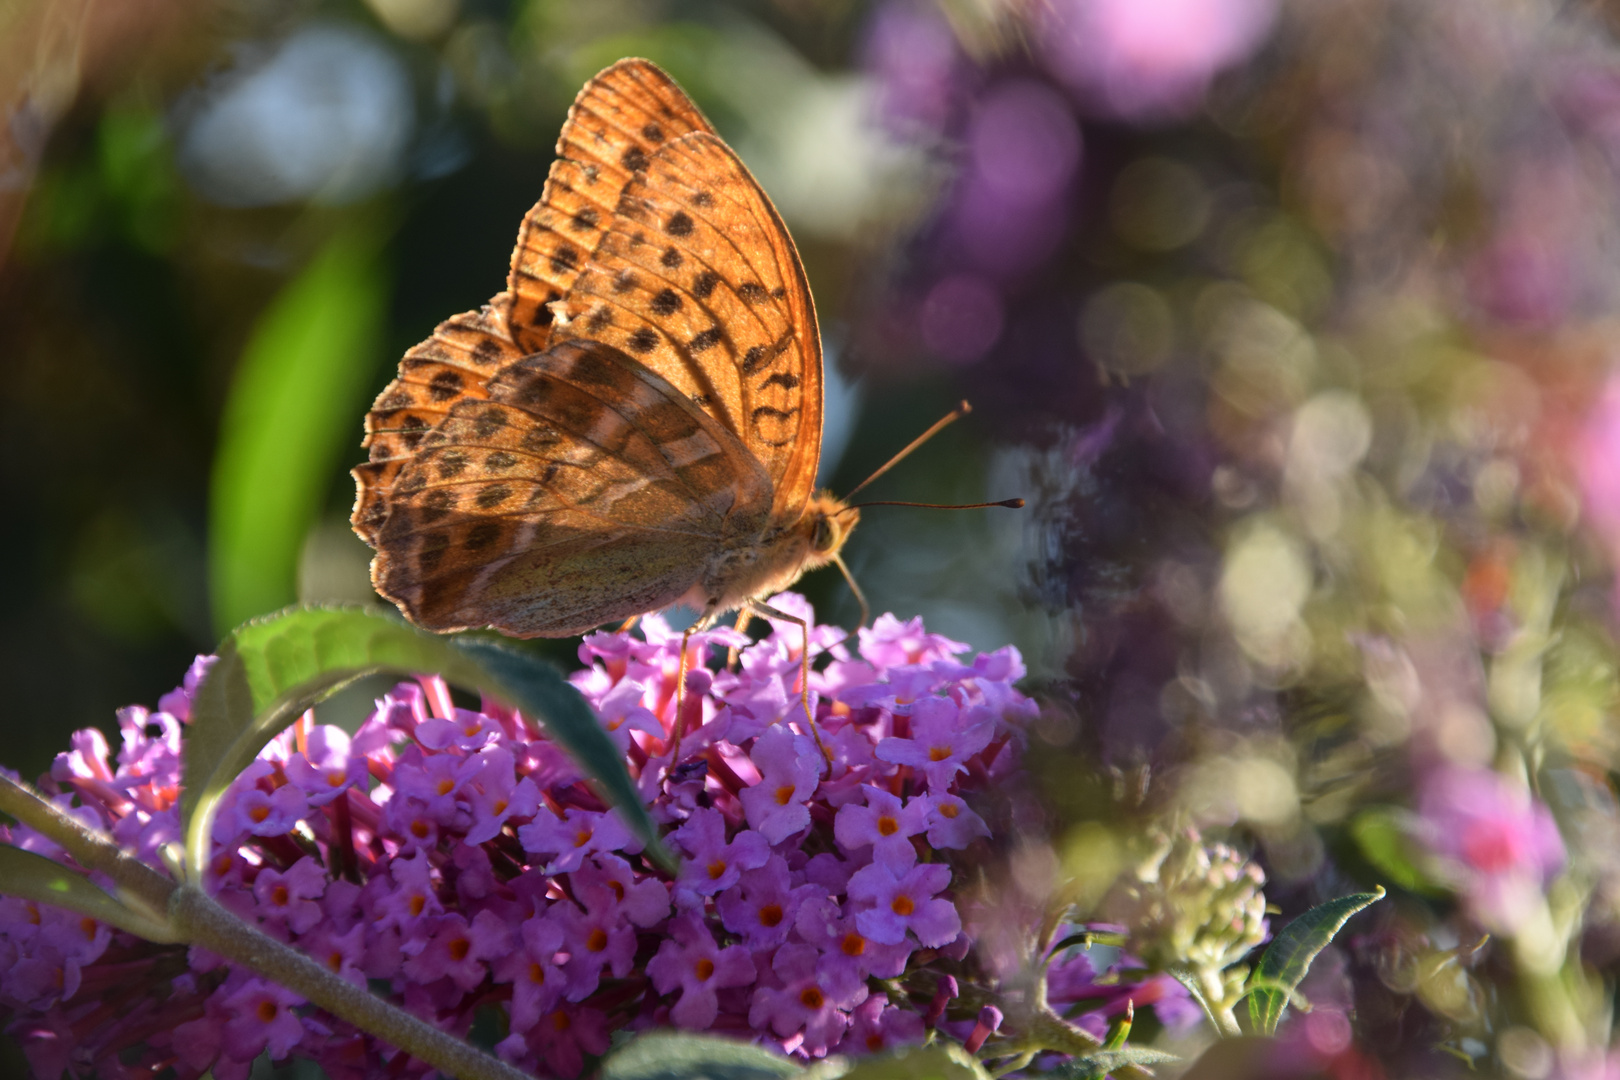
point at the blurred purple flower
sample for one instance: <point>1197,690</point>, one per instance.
<point>1497,843</point>
<point>911,53</point>
<point>1144,59</point>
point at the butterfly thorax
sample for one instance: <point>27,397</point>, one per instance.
<point>773,562</point>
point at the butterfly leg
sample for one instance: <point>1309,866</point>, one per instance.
<point>703,623</point>
<point>744,617</point>
<point>759,607</point>
<point>629,624</point>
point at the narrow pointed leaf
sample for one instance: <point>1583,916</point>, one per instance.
<point>271,670</point>
<point>34,877</point>
<point>670,1055</point>
<point>1289,956</point>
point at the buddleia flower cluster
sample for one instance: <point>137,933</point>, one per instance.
<point>1191,904</point>
<point>458,861</point>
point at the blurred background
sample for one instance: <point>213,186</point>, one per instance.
<point>1294,320</point>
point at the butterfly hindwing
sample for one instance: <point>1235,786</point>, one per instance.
<point>697,278</point>
<point>617,123</point>
<point>584,484</point>
<point>453,364</point>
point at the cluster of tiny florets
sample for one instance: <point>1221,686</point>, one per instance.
<point>461,861</point>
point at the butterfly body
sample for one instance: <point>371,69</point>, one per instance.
<point>636,421</point>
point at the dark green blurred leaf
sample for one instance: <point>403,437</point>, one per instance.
<point>1381,834</point>
<point>1288,958</point>
<point>270,670</point>
<point>293,410</point>
<point>942,1061</point>
<point>1103,1062</point>
<point>34,877</point>
<point>669,1055</point>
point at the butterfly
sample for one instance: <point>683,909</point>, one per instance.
<point>635,422</point>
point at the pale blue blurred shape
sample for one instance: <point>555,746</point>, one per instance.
<point>326,116</point>
<point>841,406</point>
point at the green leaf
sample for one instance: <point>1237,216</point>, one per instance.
<point>669,1055</point>
<point>34,877</point>
<point>291,415</point>
<point>270,670</point>
<point>1382,835</point>
<point>941,1061</point>
<point>1102,1062</point>
<point>1289,956</point>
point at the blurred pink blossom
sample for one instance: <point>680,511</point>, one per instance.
<point>1146,58</point>
<point>1597,464</point>
<point>1497,843</point>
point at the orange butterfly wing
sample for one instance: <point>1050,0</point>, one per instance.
<point>670,419</point>
<point>617,123</point>
<point>697,278</point>
<point>584,489</point>
<point>618,120</point>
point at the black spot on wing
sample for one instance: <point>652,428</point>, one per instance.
<point>444,386</point>
<point>643,340</point>
<point>752,291</point>
<point>564,259</point>
<point>782,379</point>
<point>666,303</point>
<point>679,224</point>
<point>706,339</point>
<point>634,159</point>
<point>482,535</point>
<point>704,284</point>
<point>671,258</point>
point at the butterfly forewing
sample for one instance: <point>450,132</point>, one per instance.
<point>618,122</point>
<point>455,363</point>
<point>696,279</point>
<point>584,486</point>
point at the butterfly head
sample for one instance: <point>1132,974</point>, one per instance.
<point>826,524</point>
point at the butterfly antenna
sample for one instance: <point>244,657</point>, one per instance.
<point>950,417</point>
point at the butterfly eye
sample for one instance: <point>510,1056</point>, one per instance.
<point>826,537</point>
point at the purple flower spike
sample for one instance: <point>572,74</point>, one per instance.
<point>943,737</point>
<point>458,949</point>
<point>261,1018</point>
<point>883,825</point>
<point>712,865</point>
<point>876,1025</point>
<point>573,836</point>
<point>808,1002</point>
<point>898,904</point>
<point>326,768</point>
<point>762,907</point>
<point>690,960</point>
<point>537,983</point>
<point>456,857</point>
<point>288,900</point>
<point>790,769</point>
<point>951,824</point>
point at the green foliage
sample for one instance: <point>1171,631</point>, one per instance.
<point>271,670</point>
<point>1103,1062</point>
<point>289,419</point>
<point>34,877</point>
<point>940,1061</point>
<point>1289,956</point>
<point>1381,834</point>
<point>670,1055</point>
